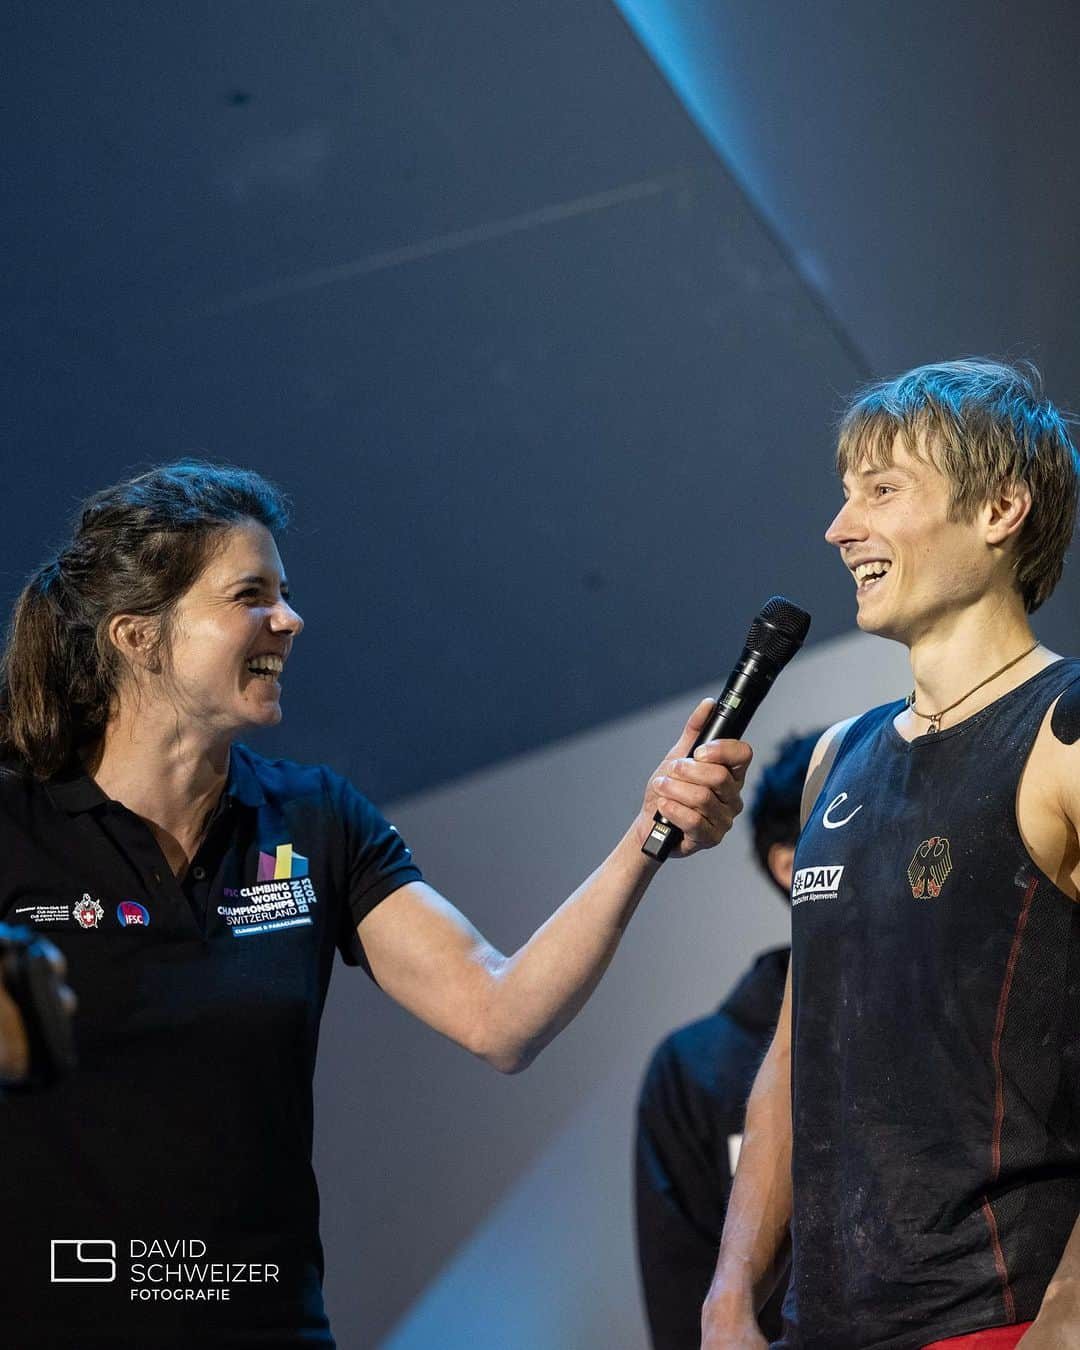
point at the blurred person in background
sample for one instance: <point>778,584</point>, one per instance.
<point>693,1099</point>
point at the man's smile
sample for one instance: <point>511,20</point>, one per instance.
<point>869,573</point>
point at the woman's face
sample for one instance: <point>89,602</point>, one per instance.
<point>232,633</point>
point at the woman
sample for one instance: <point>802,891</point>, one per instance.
<point>198,892</point>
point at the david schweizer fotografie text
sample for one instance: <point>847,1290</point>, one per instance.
<point>179,1269</point>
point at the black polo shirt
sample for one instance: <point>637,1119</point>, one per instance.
<point>163,1196</point>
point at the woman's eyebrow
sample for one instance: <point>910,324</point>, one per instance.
<point>252,579</point>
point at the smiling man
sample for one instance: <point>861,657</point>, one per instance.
<point>916,1122</point>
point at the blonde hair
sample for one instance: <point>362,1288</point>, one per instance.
<point>982,424</point>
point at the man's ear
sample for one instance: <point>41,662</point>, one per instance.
<point>1006,512</point>
<point>135,636</point>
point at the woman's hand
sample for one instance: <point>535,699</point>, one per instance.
<point>701,795</point>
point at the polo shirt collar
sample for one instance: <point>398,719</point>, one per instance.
<point>75,791</point>
<point>243,784</point>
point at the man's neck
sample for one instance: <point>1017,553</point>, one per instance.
<point>959,650</point>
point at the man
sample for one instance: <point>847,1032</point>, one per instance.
<point>917,1117</point>
<point>693,1099</point>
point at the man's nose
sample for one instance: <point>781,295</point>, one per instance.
<point>848,525</point>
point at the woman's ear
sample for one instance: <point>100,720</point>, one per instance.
<point>135,637</point>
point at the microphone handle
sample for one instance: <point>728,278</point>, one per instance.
<point>747,685</point>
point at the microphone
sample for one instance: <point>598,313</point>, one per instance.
<point>775,636</point>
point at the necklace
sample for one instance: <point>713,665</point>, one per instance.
<point>935,718</point>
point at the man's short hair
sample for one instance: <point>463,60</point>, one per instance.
<point>774,815</point>
<point>982,424</point>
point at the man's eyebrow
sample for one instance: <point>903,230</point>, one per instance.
<point>871,470</point>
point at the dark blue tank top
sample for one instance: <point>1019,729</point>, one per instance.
<point>936,1039</point>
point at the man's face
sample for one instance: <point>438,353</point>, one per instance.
<point>912,565</point>
<point>232,632</point>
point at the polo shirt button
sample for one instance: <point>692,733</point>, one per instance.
<point>198,873</point>
<point>157,877</point>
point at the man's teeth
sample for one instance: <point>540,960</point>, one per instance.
<point>871,571</point>
<point>267,666</point>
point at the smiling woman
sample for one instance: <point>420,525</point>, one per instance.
<point>108,602</point>
<point>198,893</point>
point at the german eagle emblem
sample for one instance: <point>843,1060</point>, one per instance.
<point>930,867</point>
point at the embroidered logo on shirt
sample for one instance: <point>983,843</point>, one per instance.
<point>88,913</point>
<point>282,864</point>
<point>131,914</point>
<point>836,824</point>
<point>930,867</point>
<point>281,897</point>
<point>40,914</point>
<point>816,883</point>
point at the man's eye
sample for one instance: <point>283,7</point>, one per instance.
<point>246,595</point>
<point>883,490</point>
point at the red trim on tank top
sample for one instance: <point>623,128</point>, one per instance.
<point>999,1095</point>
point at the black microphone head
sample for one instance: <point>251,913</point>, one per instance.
<point>778,631</point>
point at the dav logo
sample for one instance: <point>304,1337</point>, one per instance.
<point>816,883</point>
<point>131,914</point>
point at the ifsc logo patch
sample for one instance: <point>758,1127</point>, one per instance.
<point>131,914</point>
<point>816,883</point>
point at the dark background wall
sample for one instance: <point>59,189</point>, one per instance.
<point>550,381</point>
<point>541,313</point>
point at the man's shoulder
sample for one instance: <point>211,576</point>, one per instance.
<point>828,748</point>
<point>1053,766</point>
<point>1065,714</point>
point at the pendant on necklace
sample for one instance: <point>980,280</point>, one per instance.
<point>935,724</point>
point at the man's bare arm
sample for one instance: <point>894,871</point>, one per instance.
<point>755,1239</point>
<point>1057,760</point>
<point>1057,1326</point>
<point>759,1210</point>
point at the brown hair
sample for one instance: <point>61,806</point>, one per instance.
<point>982,424</point>
<point>136,548</point>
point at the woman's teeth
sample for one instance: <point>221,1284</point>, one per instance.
<point>266,667</point>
